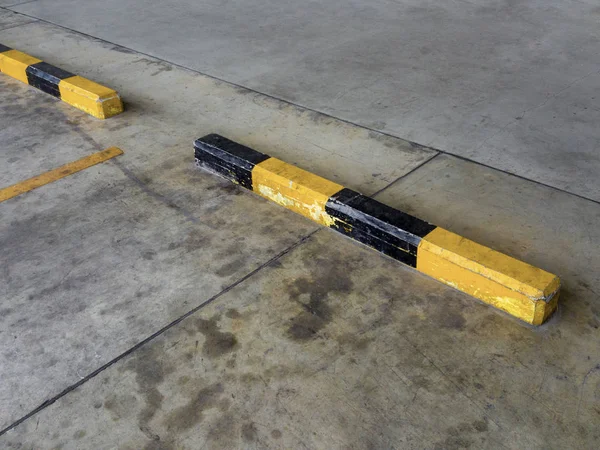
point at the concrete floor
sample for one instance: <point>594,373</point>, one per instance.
<point>157,306</point>
<point>507,83</point>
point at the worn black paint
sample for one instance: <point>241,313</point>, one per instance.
<point>227,158</point>
<point>46,77</point>
<point>4,48</point>
<point>382,227</point>
<point>379,226</point>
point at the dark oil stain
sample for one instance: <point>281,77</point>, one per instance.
<point>220,432</point>
<point>421,382</point>
<point>231,268</point>
<point>185,417</point>
<point>160,65</point>
<point>169,164</point>
<point>79,434</point>
<point>216,342</point>
<point>249,432</point>
<point>354,342</point>
<point>149,255</point>
<point>120,49</point>
<point>150,371</point>
<point>480,425</point>
<point>453,443</point>
<point>66,284</point>
<point>149,433</point>
<point>191,243</point>
<point>328,278</point>
<point>449,319</point>
<point>276,434</point>
<point>307,324</point>
<point>159,445</point>
<point>233,314</point>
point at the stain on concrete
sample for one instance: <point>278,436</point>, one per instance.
<point>216,343</point>
<point>232,267</point>
<point>149,433</point>
<point>308,323</point>
<point>159,445</point>
<point>353,341</point>
<point>276,434</point>
<point>233,314</point>
<point>80,434</point>
<point>325,280</point>
<point>220,434</point>
<point>452,320</point>
<point>480,425</point>
<point>192,413</point>
<point>453,443</point>
<point>249,432</point>
<point>160,66</point>
<point>150,371</point>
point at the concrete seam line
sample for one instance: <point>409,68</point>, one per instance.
<point>84,94</point>
<point>58,173</point>
<point>520,289</point>
<point>305,107</point>
<point>153,336</point>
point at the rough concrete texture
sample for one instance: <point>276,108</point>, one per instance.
<point>338,349</point>
<point>508,83</point>
<point>9,19</point>
<point>95,263</point>
<point>311,342</point>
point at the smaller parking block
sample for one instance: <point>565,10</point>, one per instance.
<point>84,94</point>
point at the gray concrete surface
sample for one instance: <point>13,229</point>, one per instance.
<point>334,346</point>
<point>9,19</point>
<point>508,83</point>
<point>311,342</point>
<point>93,264</point>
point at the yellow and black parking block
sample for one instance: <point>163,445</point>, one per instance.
<point>93,98</point>
<point>518,288</point>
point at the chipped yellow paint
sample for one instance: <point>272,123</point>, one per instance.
<point>518,288</point>
<point>294,188</point>
<point>91,97</point>
<point>14,64</point>
<point>58,173</point>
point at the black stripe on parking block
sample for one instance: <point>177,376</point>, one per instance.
<point>227,158</point>
<point>382,227</point>
<point>4,48</point>
<point>46,77</point>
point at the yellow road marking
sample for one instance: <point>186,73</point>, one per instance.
<point>58,173</point>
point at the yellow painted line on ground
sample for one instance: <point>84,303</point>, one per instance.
<point>58,173</point>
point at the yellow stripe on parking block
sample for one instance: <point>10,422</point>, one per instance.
<point>14,64</point>
<point>294,188</point>
<point>518,288</point>
<point>514,286</point>
<point>91,97</point>
<point>58,173</point>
